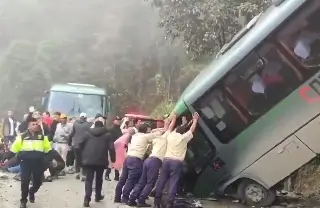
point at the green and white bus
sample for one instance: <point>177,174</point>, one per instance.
<point>74,98</point>
<point>259,106</point>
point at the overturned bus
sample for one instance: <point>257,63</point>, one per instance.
<point>259,106</point>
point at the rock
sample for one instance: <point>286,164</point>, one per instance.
<point>4,176</point>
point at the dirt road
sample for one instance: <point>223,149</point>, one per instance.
<point>68,192</point>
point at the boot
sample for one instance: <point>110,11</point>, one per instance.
<point>23,205</point>
<point>132,203</point>
<point>31,197</point>
<point>86,203</point>
<point>98,199</point>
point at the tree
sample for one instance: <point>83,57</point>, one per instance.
<point>205,25</point>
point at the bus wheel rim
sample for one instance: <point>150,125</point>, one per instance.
<point>255,193</point>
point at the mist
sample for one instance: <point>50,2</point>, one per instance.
<point>112,44</point>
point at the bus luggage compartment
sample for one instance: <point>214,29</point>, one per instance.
<point>280,162</point>
<point>310,135</point>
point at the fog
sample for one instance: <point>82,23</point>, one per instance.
<point>112,44</point>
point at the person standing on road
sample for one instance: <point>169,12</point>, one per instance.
<point>172,166</point>
<point>31,148</point>
<point>151,167</point>
<point>115,133</point>
<point>61,137</point>
<point>96,145</point>
<point>76,137</point>
<point>133,163</point>
<point>53,126</point>
<point>9,125</point>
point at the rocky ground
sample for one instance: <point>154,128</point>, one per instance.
<point>68,192</point>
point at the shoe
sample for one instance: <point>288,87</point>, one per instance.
<point>86,203</point>
<point>143,205</point>
<point>124,201</point>
<point>107,178</point>
<point>48,179</point>
<point>132,203</point>
<point>17,177</point>
<point>98,199</point>
<point>23,205</point>
<point>62,173</point>
<point>83,179</point>
<point>31,198</point>
<point>78,176</point>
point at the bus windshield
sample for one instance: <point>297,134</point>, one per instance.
<point>73,104</point>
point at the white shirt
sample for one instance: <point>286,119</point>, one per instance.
<point>177,145</point>
<point>11,133</point>
<point>139,144</point>
<point>159,146</point>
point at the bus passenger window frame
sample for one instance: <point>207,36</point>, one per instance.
<point>241,111</point>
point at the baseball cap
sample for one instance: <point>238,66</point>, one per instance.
<point>83,115</point>
<point>63,116</point>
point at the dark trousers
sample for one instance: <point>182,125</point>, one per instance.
<point>30,168</point>
<point>116,173</point>
<point>148,179</point>
<point>130,175</point>
<point>171,171</point>
<point>92,171</point>
<point>70,159</point>
<point>78,160</point>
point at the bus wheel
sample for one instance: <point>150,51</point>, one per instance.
<point>255,194</point>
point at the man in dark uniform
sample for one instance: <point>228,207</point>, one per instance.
<point>31,148</point>
<point>115,133</point>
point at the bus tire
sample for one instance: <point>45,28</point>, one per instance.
<point>254,194</point>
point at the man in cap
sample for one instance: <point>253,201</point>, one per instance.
<point>61,137</point>
<point>80,127</point>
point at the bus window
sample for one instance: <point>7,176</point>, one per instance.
<point>218,113</point>
<point>301,36</point>
<point>258,90</point>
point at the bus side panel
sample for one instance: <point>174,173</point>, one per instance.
<point>310,135</point>
<point>281,161</point>
<point>266,133</point>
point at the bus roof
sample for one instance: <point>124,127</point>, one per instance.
<point>82,89</point>
<point>265,24</point>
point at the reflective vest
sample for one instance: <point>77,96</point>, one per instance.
<point>25,143</point>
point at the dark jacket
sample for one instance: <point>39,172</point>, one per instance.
<point>23,127</point>
<point>53,128</point>
<point>115,132</point>
<point>96,145</point>
<point>79,129</point>
<point>53,155</point>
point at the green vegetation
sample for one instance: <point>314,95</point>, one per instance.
<point>113,44</point>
